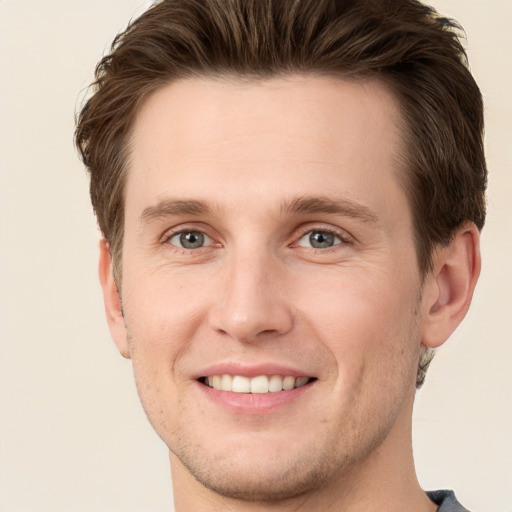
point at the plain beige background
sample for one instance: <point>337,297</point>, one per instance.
<point>72,434</point>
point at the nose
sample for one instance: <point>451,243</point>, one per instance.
<point>252,303</point>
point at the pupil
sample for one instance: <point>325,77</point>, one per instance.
<point>192,240</point>
<point>321,240</point>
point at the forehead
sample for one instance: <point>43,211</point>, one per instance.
<point>262,139</point>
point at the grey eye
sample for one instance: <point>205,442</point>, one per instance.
<point>190,239</point>
<point>319,240</point>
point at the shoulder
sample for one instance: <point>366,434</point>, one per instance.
<point>446,501</point>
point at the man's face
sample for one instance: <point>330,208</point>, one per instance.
<point>268,243</point>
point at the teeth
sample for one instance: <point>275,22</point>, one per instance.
<point>240,385</point>
<point>226,383</point>
<point>275,384</point>
<point>288,383</point>
<point>301,381</point>
<point>260,384</point>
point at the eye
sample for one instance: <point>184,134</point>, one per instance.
<point>190,239</point>
<point>319,240</point>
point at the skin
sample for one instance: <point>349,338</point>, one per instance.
<point>355,316</point>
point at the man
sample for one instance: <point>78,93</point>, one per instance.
<point>290,194</point>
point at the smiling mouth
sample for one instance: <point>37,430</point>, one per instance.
<point>260,384</point>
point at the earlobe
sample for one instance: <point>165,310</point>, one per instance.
<point>112,300</point>
<point>451,285</point>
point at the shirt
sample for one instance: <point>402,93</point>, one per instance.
<point>446,501</point>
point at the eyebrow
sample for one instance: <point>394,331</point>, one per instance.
<point>344,207</point>
<point>173,207</point>
<point>303,205</point>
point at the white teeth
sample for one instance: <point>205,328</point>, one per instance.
<point>275,384</point>
<point>241,384</point>
<point>216,382</point>
<point>226,382</point>
<point>288,383</point>
<point>260,384</point>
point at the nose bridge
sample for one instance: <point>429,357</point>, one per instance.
<point>252,300</point>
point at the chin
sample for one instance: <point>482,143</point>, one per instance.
<point>253,473</point>
<point>257,483</point>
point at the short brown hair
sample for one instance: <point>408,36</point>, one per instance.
<point>417,53</point>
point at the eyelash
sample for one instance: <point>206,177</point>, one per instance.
<point>169,235</point>
<point>341,235</point>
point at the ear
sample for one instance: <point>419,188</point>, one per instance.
<point>449,287</point>
<point>112,300</point>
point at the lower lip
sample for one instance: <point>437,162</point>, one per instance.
<point>254,403</point>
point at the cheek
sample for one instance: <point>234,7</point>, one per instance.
<point>355,303</point>
<point>162,316</point>
<point>159,301</point>
<point>369,322</point>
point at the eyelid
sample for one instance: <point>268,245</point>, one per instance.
<point>343,235</point>
<point>188,228</point>
<point>207,239</point>
<point>307,242</point>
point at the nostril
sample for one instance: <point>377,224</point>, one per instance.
<point>267,332</point>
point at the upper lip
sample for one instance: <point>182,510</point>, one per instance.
<point>251,370</point>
